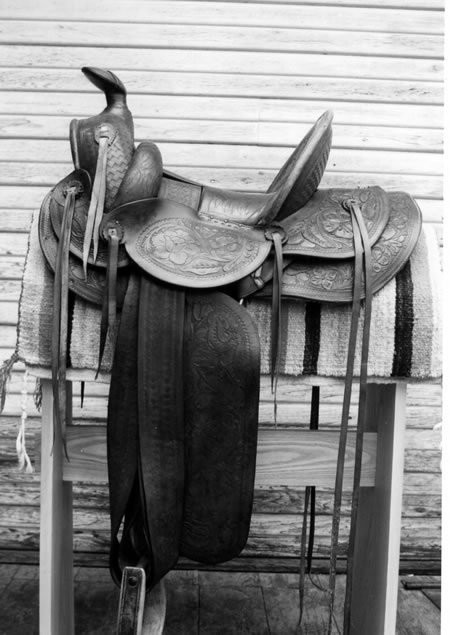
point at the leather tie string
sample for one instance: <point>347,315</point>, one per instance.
<point>60,313</point>
<point>97,203</point>
<point>307,542</point>
<point>362,403</point>
<point>278,238</point>
<point>109,308</point>
<point>362,259</point>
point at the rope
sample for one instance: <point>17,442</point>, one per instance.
<point>22,454</point>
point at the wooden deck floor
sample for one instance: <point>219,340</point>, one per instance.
<point>208,603</point>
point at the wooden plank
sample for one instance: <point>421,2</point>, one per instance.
<point>265,528</point>
<point>421,582</point>
<point>408,565</point>
<point>426,190</point>
<point>270,535</point>
<point>10,290</point>
<point>434,596</point>
<point>226,38</point>
<point>8,312</point>
<point>432,5</point>
<point>13,220</point>
<point>13,244</point>
<point>12,267</point>
<point>273,500</point>
<point>410,612</point>
<point>43,162</point>
<point>31,196</point>
<point>275,565</point>
<point>341,163</point>
<point>224,14</point>
<point>244,85</point>
<point>181,140</point>
<point>204,107</point>
<point>265,63</point>
<point>290,390</point>
<point>284,458</point>
<point>424,461</point>
<point>421,419</point>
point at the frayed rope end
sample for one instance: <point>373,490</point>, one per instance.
<point>5,376</point>
<point>22,454</point>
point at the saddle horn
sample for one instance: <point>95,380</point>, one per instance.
<point>109,83</point>
<point>103,146</point>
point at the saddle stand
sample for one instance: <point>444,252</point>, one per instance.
<point>169,261</point>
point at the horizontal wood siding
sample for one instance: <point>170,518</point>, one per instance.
<point>226,89</point>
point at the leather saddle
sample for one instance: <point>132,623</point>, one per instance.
<point>169,259</point>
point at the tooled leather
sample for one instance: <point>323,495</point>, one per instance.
<point>193,249</point>
<point>160,419</point>
<point>332,280</point>
<point>309,160</point>
<point>90,288</point>
<point>186,193</point>
<point>119,157</point>
<point>120,150</point>
<point>299,196</point>
<point>143,176</point>
<point>235,207</point>
<point>323,227</point>
<point>56,204</point>
<point>221,383</point>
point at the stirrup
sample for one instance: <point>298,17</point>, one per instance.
<point>132,602</point>
<point>140,614</point>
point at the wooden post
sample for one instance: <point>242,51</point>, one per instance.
<point>377,548</point>
<point>56,611</point>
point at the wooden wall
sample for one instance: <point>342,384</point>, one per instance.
<point>226,89</point>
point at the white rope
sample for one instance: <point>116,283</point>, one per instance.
<point>22,454</point>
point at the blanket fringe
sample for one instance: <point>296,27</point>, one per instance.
<point>5,376</point>
<point>22,454</point>
<point>37,394</point>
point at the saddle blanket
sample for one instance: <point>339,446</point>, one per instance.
<point>405,339</point>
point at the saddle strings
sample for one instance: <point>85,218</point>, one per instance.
<point>275,338</point>
<point>60,317</point>
<point>355,312</point>
<point>109,306</point>
<point>97,203</point>
<point>362,404</point>
<point>309,505</point>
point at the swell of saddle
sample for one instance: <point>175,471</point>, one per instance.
<point>117,120</point>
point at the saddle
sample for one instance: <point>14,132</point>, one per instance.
<point>169,261</point>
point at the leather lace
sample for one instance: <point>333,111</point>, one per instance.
<point>362,404</point>
<point>97,203</point>
<point>60,316</point>
<point>362,265</point>
<point>109,307</point>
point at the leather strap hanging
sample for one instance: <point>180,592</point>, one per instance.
<point>357,288</point>
<point>97,203</point>
<point>306,551</point>
<point>109,307</point>
<point>362,403</point>
<point>61,311</point>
